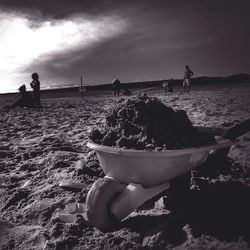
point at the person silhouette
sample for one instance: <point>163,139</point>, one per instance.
<point>35,85</point>
<point>116,86</point>
<point>165,85</point>
<point>26,99</point>
<point>187,79</point>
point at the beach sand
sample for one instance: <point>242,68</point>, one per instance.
<point>41,147</point>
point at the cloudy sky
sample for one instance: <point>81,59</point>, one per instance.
<point>131,40</point>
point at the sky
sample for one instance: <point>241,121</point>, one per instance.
<point>133,40</point>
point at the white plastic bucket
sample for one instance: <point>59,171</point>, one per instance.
<point>150,168</point>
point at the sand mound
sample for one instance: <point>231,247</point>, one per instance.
<point>146,123</point>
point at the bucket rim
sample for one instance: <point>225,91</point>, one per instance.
<point>220,143</point>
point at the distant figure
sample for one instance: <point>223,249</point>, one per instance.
<point>164,85</point>
<point>167,87</point>
<point>35,85</point>
<point>26,99</point>
<point>116,86</point>
<point>127,92</point>
<point>187,78</point>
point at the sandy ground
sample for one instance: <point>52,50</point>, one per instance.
<point>41,147</point>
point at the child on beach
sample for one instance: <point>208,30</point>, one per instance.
<point>167,87</point>
<point>26,99</point>
<point>187,78</point>
<point>116,86</point>
<point>35,85</point>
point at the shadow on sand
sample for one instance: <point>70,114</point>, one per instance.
<point>221,210</point>
<point>218,207</point>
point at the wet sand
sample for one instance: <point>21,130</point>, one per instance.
<point>41,147</point>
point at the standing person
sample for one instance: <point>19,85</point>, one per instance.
<point>35,85</point>
<point>165,85</point>
<point>116,86</point>
<point>187,78</point>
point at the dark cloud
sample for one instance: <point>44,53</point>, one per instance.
<point>63,8</point>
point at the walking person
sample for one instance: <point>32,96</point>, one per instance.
<point>35,85</point>
<point>116,86</point>
<point>187,79</point>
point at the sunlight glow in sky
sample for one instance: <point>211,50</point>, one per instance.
<point>21,44</point>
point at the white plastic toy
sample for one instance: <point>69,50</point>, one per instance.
<point>134,176</point>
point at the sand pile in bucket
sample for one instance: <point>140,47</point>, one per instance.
<point>145,123</point>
